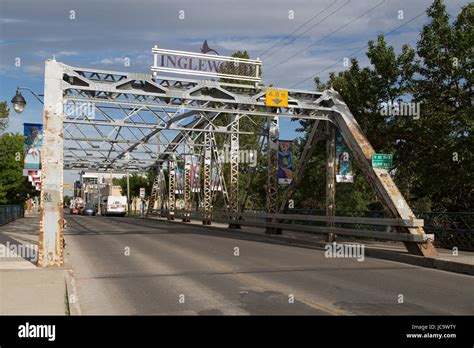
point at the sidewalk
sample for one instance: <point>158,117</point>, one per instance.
<point>387,250</point>
<point>26,289</point>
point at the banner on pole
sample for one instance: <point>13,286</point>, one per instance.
<point>343,160</point>
<point>215,179</point>
<point>179,181</point>
<point>285,162</point>
<point>33,133</point>
<point>195,182</point>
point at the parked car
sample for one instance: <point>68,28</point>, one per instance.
<point>88,210</point>
<point>74,211</point>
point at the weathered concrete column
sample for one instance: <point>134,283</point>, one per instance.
<point>51,235</point>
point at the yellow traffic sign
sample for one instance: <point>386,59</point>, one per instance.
<point>276,97</point>
<point>66,185</point>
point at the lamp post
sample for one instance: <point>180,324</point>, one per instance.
<point>19,102</point>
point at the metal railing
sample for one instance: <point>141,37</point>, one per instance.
<point>450,229</point>
<point>10,213</point>
<point>309,223</point>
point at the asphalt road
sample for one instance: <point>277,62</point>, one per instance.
<point>136,266</point>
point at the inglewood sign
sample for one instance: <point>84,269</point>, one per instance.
<point>189,63</point>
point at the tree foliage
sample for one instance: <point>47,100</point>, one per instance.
<point>4,114</point>
<point>13,185</point>
<point>433,161</point>
<point>136,182</point>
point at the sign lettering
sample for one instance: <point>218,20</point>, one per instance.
<point>180,62</point>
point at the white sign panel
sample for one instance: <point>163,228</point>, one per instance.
<point>188,63</point>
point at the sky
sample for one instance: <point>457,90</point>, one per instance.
<point>295,40</point>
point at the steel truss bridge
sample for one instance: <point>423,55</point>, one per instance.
<point>119,121</point>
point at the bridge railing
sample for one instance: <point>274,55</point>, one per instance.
<point>309,223</point>
<point>450,229</point>
<point>10,213</point>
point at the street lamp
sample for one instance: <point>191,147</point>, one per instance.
<point>19,102</point>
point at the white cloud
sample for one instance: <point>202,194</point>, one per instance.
<point>45,54</point>
<point>11,20</point>
<point>110,61</point>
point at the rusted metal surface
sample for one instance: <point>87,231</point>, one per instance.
<point>51,233</point>
<point>379,179</point>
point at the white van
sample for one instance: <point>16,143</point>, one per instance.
<point>114,205</point>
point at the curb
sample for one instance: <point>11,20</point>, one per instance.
<point>421,261</point>
<point>71,292</point>
<point>427,262</point>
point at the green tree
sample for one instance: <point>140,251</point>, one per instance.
<point>442,140</point>
<point>252,180</point>
<point>4,114</point>
<point>13,185</point>
<point>433,163</point>
<point>67,200</point>
<point>136,181</point>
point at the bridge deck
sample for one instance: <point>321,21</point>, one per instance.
<point>168,259</point>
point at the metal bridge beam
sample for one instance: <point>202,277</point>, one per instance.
<point>379,179</point>
<point>171,189</point>
<point>51,234</point>
<point>234,167</point>
<point>272,171</point>
<point>207,179</point>
<point>330,177</point>
<point>203,100</point>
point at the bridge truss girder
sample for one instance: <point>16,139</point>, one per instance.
<point>130,110</point>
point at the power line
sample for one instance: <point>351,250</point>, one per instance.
<point>325,37</point>
<point>359,49</point>
<point>302,25</point>
<point>312,27</point>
